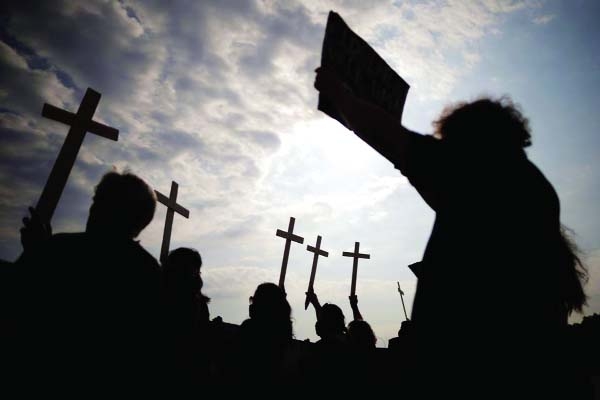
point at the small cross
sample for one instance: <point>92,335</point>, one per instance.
<point>402,299</point>
<point>317,252</point>
<point>289,237</point>
<point>172,206</point>
<point>80,122</point>
<point>356,256</point>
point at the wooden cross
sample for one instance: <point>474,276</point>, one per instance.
<point>402,298</point>
<point>80,122</point>
<point>318,252</point>
<point>172,206</point>
<point>289,237</point>
<point>356,256</point>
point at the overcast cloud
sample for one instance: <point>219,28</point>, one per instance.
<point>218,96</point>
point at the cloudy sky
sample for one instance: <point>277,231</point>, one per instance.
<point>218,96</point>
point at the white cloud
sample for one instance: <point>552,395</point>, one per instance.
<point>25,89</point>
<point>543,19</point>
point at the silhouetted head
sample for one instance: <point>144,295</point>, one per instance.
<point>331,322</point>
<point>405,327</point>
<point>496,126</point>
<point>269,307</point>
<point>360,335</point>
<point>123,205</point>
<point>182,270</point>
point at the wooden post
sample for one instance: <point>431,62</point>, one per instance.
<point>172,206</point>
<point>80,122</point>
<point>289,237</point>
<point>402,299</point>
<point>317,252</point>
<point>356,255</point>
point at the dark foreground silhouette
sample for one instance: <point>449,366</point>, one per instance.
<point>89,303</point>
<point>497,252</point>
<point>187,337</point>
<point>498,280</point>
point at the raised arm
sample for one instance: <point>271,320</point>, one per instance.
<point>314,300</point>
<point>354,305</point>
<point>371,123</point>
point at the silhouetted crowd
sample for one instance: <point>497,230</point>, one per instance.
<point>498,280</point>
<point>96,309</point>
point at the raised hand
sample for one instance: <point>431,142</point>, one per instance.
<point>34,231</point>
<point>354,304</point>
<point>353,301</point>
<point>330,85</point>
<point>312,298</point>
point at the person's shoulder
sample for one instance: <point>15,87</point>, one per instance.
<point>247,324</point>
<point>58,242</point>
<point>420,151</point>
<point>536,180</point>
<point>247,331</point>
<point>534,170</point>
<point>144,255</point>
<point>415,139</point>
<point>58,247</point>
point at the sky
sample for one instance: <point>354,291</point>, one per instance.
<point>218,96</point>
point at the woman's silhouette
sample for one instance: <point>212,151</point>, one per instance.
<point>260,353</point>
<point>186,318</point>
<point>498,277</point>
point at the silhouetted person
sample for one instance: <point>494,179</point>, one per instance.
<point>331,322</point>
<point>186,320</point>
<point>260,353</point>
<point>369,364</point>
<point>496,258</point>
<point>360,335</point>
<point>359,332</point>
<point>402,356</point>
<point>329,361</point>
<point>90,302</point>
<point>406,330</point>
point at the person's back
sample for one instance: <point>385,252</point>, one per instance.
<point>490,252</point>
<point>368,365</point>
<point>491,290</point>
<point>186,319</point>
<point>498,278</point>
<point>497,223</point>
<point>90,301</point>
<point>263,341</point>
<point>329,360</point>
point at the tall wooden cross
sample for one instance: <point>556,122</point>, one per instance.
<point>80,122</point>
<point>172,206</point>
<point>402,298</point>
<point>317,252</point>
<point>289,238</point>
<point>356,255</point>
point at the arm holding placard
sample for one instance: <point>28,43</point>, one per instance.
<point>371,123</point>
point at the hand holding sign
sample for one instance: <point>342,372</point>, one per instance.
<point>328,84</point>
<point>347,58</point>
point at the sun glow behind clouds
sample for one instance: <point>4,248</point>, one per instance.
<point>330,139</point>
